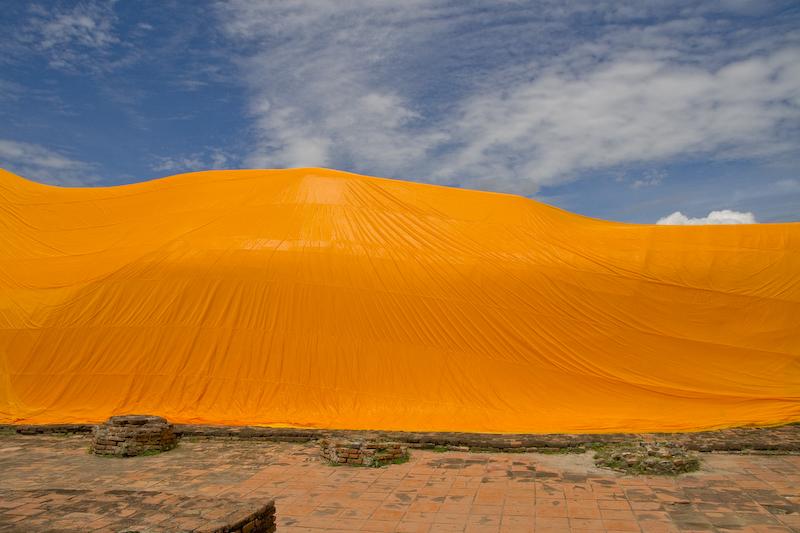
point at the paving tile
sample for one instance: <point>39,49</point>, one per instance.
<point>446,528</point>
<point>451,518</point>
<point>346,524</point>
<point>617,514</point>
<point>616,505</point>
<point>487,509</point>
<point>519,528</point>
<point>621,525</point>
<point>548,522</point>
<point>483,520</point>
<point>379,525</point>
<point>658,527</point>
<point>584,513</point>
<point>479,528</point>
<point>424,506</point>
<point>387,514</point>
<point>432,493</point>
<point>586,524</point>
<point>450,508</point>
<point>413,527</point>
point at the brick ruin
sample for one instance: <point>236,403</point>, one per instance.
<point>131,435</point>
<point>362,452</point>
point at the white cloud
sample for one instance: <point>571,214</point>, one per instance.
<point>788,185</point>
<point>338,84</point>
<point>632,109</point>
<point>37,163</point>
<point>10,90</point>
<point>72,38</point>
<point>315,101</point>
<point>210,159</point>
<point>726,216</point>
<point>34,154</point>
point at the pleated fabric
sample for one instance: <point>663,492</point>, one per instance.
<point>317,298</point>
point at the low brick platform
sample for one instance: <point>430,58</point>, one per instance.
<point>131,512</point>
<point>783,438</point>
<point>131,435</point>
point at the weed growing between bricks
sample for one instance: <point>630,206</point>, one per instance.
<point>650,458</point>
<point>118,456</point>
<point>362,452</point>
<point>373,464</point>
<point>396,460</point>
<point>566,451</point>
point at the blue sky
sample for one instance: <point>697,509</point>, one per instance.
<point>626,111</point>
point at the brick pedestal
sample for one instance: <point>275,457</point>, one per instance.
<point>131,435</point>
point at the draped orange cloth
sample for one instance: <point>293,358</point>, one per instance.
<point>317,298</point>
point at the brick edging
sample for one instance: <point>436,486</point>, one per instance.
<point>782,439</point>
<point>47,429</point>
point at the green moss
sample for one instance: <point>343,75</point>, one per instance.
<point>145,453</point>
<point>400,459</point>
<point>561,451</point>
<point>609,452</point>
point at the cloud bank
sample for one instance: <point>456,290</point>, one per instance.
<point>726,216</point>
<point>337,84</point>
<point>609,109</point>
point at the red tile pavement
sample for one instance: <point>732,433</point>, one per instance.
<point>433,492</point>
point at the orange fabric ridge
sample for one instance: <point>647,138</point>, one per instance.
<point>317,298</point>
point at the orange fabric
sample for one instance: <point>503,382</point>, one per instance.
<point>317,298</point>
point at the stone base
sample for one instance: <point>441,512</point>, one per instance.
<point>362,452</point>
<point>648,458</point>
<point>131,435</point>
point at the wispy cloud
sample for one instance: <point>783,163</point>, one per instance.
<point>340,84</point>
<point>651,178</point>
<point>548,97</point>
<point>315,97</point>
<point>36,163</point>
<point>636,108</point>
<point>10,90</point>
<point>726,216</point>
<point>210,159</point>
<point>788,185</point>
<point>74,38</point>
